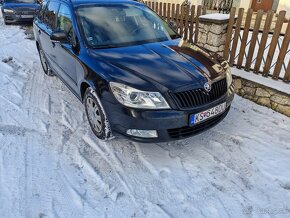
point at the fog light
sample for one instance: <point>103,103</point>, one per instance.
<point>142,133</point>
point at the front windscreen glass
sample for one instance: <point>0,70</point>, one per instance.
<point>122,24</point>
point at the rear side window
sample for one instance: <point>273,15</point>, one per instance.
<point>64,20</point>
<point>50,14</point>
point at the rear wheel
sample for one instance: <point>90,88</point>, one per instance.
<point>44,63</point>
<point>96,115</point>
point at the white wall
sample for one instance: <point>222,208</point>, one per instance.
<point>244,3</point>
<point>284,5</point>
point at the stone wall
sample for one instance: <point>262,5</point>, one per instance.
<point>212,32</point>
<point>212,37</point>
<point>263,95</point>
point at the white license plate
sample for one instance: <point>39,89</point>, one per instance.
<point>27,16</point>
<point>205,115</point>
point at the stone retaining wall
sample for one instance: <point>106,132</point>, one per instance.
<point>263,95</point>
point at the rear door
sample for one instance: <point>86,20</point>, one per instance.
<point>48,25</point>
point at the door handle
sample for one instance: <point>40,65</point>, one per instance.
<point>53,44</point>
<point>39,32</point>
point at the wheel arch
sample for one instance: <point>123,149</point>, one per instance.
<point>84,86</point>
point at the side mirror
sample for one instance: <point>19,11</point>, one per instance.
<point>59,36</point>
<point>173,25</point>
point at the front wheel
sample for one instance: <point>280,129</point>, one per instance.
<point>96,115</point>
<point>5,22</point>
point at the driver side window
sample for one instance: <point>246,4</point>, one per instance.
<point>64,21</point>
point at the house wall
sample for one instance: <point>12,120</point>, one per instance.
<point>284,5</point>
<point>248,3</point>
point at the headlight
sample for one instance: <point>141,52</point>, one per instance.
<point>229,77</point>
<point>135,98</point>
<point>8,10</point>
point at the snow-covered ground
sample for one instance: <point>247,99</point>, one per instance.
<point>51,165</point>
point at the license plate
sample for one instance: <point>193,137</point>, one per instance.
<point>205,115</point>
<point>27,16</point>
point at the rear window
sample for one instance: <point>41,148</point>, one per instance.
<point>50,14</point>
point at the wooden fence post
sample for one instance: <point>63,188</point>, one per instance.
<point>245,38</point>
<point>287,74</point>
<point>177,14</point>
<point>156,7</point>
<point>168,16</point>
<point>274,42</point>
<point>263,42</point>
<point>181,20</point>
<point>191,23</point>
<point>160,9</point>
<point>173,12</point>
<point>164,15</point>
<point>282,54</point>
<point>186,22</point>
<point>236,37</point>
<point>254,40</point>
<point>199,8</point>
<point>229,33</point>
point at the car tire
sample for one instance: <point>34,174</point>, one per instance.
<point>6,23</point>
<point>96,115</point>
<point>47,70</point>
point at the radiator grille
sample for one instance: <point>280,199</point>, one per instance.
<point>198,97</point>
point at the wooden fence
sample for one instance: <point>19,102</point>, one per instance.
<point>185,17</point>
<point>255,41</point>
<point>257,46</point>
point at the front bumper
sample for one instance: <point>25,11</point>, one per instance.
<point>18,18</point>
<point>169,124</point>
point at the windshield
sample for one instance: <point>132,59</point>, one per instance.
<point>121,25</point>
<point>20,1</point>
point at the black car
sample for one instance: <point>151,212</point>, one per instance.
<point>15,11</point>
<point>132,71</point>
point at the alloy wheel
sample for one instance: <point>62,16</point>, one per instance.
<point>94,115</point>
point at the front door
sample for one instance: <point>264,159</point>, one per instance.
<point>264,5</point>
<point>65,57</point>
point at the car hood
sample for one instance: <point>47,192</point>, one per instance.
<point>173,65</point>
<point>21,6</point>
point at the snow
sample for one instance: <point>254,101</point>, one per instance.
<point>215,16</point>
<point>258,78</point>
<point>51,165</point>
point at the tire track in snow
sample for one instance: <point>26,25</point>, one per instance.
<point>114,166</point>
